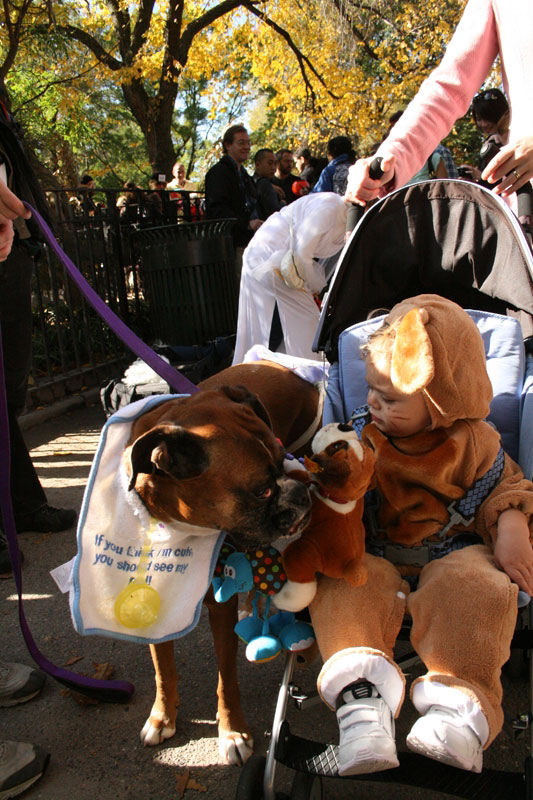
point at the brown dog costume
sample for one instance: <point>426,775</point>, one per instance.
<point>464,607</point>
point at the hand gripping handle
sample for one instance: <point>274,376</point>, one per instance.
<point>355,212</point>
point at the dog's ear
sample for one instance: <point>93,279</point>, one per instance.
<point>240,394</point>
<point>171,449</point>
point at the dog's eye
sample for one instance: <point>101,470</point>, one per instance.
<point>229,571</point>
<point>264,493</point>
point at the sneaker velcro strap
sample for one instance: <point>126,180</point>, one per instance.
<point>356,691</point>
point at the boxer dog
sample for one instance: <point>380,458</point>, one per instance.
<point>214,459</point>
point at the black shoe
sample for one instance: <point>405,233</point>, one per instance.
<point>21,764</point>
<point>46,519</point>
<point>6,568</point>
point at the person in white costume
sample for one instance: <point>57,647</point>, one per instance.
<point>285,263</point>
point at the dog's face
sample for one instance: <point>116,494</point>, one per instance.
<point>212,460</point>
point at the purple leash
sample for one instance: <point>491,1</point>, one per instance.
<point>109,691</point>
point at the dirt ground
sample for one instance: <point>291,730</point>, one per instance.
<point>95,749</point>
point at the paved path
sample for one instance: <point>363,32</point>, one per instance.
<point>95,749</point>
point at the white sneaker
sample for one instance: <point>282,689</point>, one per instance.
<point>442,734</point>
<point>366,727</point>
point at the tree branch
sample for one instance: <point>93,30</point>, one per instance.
<point>357,33</point>
<point>123,28</point>
<point>303,61</point>
<point>142,24</point>
<point>49,85</point>
<point>13,34</point>
<point>203,21</point>
<point>169,70</point>
<point>92,44</point>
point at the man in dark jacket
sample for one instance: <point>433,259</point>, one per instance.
<point>230,191</point>
<point>268,196</point>
<point>284,177</point>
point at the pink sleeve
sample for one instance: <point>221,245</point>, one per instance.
<point>446,94</point>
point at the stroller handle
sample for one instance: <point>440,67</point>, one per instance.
<point>355,212</point>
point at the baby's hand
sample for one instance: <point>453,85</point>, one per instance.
<point>513,550</point>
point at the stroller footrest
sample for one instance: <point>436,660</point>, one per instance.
<point>317,758</point>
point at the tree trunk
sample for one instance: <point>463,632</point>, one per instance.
<point>154,116</point>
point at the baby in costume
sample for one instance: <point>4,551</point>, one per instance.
<point>429,394</point>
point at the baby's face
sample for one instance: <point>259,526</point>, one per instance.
<point>394,413</point>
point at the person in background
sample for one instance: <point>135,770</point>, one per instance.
<point>87,184</point>
<point>447,158</point>
<point>153,202</point>
<point>284,177</point>
<point>230,190</point>
<point>129,198</point>
<point>85,197</point>
<point>490,112</point>
<point>487,28</point>
<point>179,179</point>
<point>334,177</point>
<point>307,164</point>
<point>268,199</point>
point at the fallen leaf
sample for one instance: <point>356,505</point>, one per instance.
<point>83,699</point>
<point>103,671</point>
<point>73,660</point>
<point>182,779</point>
<point>192,784</point>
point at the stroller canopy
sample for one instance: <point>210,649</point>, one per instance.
<point>448,237</point>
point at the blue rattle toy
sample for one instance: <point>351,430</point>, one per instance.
<point>265,637</point>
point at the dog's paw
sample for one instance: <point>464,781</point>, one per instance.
<point>235,748</point>
<point>154,733</point>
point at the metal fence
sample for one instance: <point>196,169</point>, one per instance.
<point>72,348</point>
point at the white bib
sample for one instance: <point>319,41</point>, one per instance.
<point>121,548</point>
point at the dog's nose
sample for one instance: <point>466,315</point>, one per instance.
<point>300,495</point>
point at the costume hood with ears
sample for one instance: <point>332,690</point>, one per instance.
<point>438,349</point>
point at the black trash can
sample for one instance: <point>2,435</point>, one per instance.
<point>189,281</point>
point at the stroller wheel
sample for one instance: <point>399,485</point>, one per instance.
<point>250,786</point>
<point>306,787</point>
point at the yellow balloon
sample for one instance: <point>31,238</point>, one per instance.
<point>137,605</point>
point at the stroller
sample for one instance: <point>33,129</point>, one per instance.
<point>460,241</point>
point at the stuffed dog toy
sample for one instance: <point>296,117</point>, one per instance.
<point>340,470</point>
<point>214,460</point>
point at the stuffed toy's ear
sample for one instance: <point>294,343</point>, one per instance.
<point>412,354</point>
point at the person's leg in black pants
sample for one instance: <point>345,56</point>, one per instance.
<point>28,497</point>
